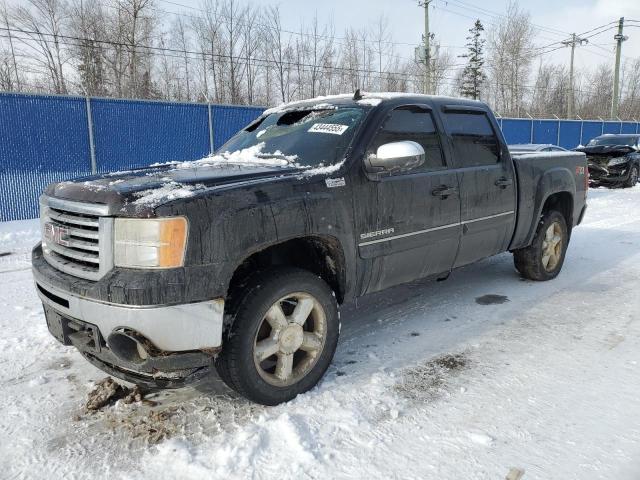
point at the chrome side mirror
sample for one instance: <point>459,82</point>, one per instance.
<point>395,157</point>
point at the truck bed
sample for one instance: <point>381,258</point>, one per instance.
<point>546,172</point>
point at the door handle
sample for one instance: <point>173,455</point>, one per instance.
<point>443,191</point>
<point>503,182</point>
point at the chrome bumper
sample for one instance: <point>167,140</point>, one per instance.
<point>176,328</point>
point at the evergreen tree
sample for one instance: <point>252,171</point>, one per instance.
<point>473,75</point>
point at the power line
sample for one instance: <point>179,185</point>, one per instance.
<point>502,16</point>
<point>181,53</point>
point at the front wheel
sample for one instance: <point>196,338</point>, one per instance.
<point>283,337</point>
<point>633,177</point>
<point>543,259</point>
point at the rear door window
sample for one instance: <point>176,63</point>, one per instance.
<point>474,140</point>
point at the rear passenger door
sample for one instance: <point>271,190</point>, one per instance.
<point>411,226</point>
<point>487,183</point>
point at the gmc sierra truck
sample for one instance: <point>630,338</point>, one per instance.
<point>237,263</point>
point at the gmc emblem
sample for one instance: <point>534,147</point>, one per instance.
<point>56,234</point>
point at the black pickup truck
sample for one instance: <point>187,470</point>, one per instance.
<point>238,262</point>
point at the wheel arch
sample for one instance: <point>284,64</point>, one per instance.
<point>322,255</point>
<point>562,202</point>
<point>555,189</point>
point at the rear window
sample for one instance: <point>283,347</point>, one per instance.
<point>474,140</point>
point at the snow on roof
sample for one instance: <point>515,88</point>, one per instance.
<point>368,98</point>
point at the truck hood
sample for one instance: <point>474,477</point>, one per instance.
<point>146,188</point>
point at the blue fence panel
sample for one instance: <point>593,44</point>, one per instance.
<point>516,130</point>
<point>42,140</point>
<point>611,127</point>
<point>629,127</point>
<point>570,133</point>
<point>130,134</point>
<point>590,130</point>
<point>545,131</point>
<point>227,120</point>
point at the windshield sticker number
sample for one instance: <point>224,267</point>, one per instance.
<point>332,128</point>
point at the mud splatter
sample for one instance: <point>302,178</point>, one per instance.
<point>108,391</point>
<point>427,381</point>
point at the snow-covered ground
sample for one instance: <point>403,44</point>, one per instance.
<point>465,379</point>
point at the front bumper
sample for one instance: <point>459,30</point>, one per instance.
<point>608,175</point>
<point>179,340</point>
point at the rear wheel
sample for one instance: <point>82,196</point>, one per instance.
<point>633,177</point>
<point>283,337</point>
<point>543,259</point>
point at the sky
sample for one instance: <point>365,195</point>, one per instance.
<point>450,20</point>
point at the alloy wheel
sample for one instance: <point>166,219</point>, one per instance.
<point>290,339</point>
<point>552,247</point>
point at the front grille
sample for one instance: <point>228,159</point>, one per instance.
<point>76,237</point>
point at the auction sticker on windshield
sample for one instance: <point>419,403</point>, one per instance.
<point>333,128</point>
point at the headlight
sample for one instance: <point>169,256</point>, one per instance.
<point>617,161</point>
<point>150,243</point>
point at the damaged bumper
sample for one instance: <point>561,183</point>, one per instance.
<point>608,175</point>
<point>161,346</point>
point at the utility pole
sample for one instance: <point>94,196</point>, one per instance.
<point>427,51</point>
<point>575,40</point>
<point>619,38</point>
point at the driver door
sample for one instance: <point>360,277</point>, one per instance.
<point>410,226</point>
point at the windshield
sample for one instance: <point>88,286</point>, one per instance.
<point>628,140</point>
<point>316,137</point>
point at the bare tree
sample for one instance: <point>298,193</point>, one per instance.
<point>510,45</point>
<point>180,40</point>
<point>234,51</point>
<point>88,25</point>
<point>42,23</point>
<point>280,51</point>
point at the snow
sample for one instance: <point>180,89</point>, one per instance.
<point>169,191</point>
<point>323,170</point>
<point>253,155</point>
<point>323,102</point>
<point>427,382</point>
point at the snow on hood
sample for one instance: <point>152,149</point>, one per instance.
<point>169,191</point>
<point>247,156</point>
<point>252,156</point>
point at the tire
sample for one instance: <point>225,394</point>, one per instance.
<point>633,177</point>
<point>280,297</point>
<point>530,261</point>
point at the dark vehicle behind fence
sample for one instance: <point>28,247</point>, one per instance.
<point>614,160</point>
<point>237,263</point>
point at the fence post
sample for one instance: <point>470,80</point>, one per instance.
<point>210,116</point>
<point>92,146</point>
<point>531,130</point>
<point>558,136</point>
<point>601,126</point>
<point>581,129</point>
